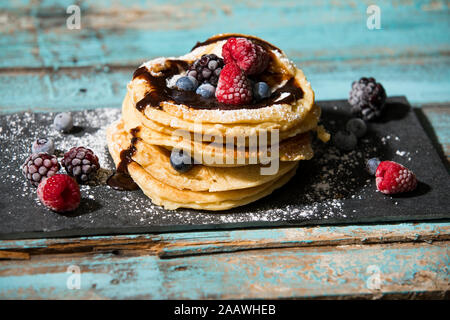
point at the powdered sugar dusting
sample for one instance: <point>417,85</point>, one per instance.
<point>327,188</point>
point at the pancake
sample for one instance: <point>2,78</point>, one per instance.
<point>280,116</point>
<point>291,149</point>
<point>168,124</point>
<point>224,140</point>
<point>155,161</point>
<point>172,198</point>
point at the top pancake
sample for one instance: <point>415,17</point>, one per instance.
<point>284,111</point>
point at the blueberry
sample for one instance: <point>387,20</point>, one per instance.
<point>206,90</point>
<point>188,83</point>
<point>63,122</point>
<point>261,90</point>
<point>180,160</point>
<point>44,145</point>
<point>345,140</point>
<point>357,126</point>
<point>372,165</point>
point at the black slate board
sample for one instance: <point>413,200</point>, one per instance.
<point>333,188</point>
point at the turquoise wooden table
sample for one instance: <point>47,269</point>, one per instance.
<point>46,66</point>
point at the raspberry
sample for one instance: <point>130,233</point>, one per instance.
<point>39,166</point>
<point>59,193</point>
<point>80,163</point>
<point>367,98</point>
<point>233,87</point>
<point>250,57</point>
<point>392,177</point>
<point>206,69</point>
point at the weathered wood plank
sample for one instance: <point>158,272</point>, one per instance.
<point>329,40</point>
<point>439,122</point>
<point>324,30</point>
<point>48,90</point>
<point>407,269</point>
<point>193,243</point>
<point>12,255</point>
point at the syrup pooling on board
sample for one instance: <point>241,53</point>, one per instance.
<point>121,179</point>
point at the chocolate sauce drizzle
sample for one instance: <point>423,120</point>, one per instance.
<point>161,93</point>
<point>258,41</point>
<point>121,179</point>
<point>291,90</point>
<point>288,93</point>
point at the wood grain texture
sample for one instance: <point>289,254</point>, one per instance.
<point>170,245</point>
<point>328,39</point>
<point>43,66</point>
<point>12,255</point>
<point>405,270</point>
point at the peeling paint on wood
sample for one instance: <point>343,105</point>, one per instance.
<point>43,66</point>
<point>171,245</point>
<point>316,272</point>
<point>329,40</point>
<point>12,255</point>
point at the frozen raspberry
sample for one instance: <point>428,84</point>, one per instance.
<point>250,57</point>
<point>39,166</point>
<point>233,87</point>
<point>206,69</point>
<point>392,177</point>
<point>59,193</point>
<point>80,163</point>
<point>367,98</point>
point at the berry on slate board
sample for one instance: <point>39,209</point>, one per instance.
<point>180,160</point>
<point>44,145</point>
<point>206,90</point>
<point>206,69</point>
<point>39,166</point>
<point>345,140</point>
<point>80,163</point>
<point>372,165</point>
<point>367,98</point>
<point>357,126</point>
<point>233,87</point>
<point>63,122</point>
<point>186,83</point>
<point>59,193</point>
<point>392,177</point>
<point>261,90</point>
<point>249,56</point>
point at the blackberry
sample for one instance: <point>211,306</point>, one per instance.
<point>206,69</point>
<point>39,166</point>
<point>367,98</point>
<point>80,163</point>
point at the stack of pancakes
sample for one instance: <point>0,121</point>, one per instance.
<point>229,167</point>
